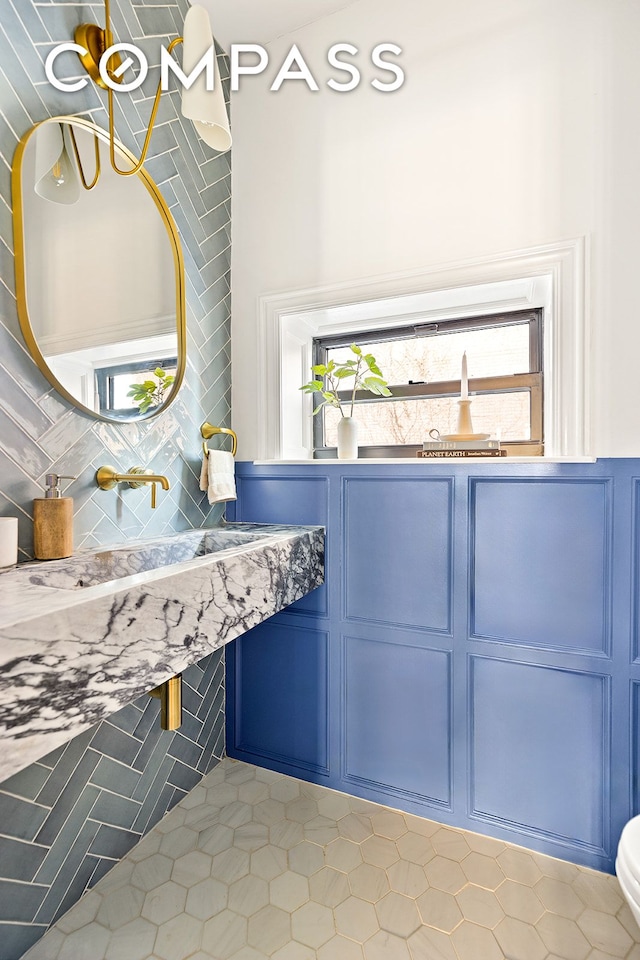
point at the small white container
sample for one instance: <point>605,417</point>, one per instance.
<point>8,541</point>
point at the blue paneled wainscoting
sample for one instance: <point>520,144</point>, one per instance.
<point>473,656</point>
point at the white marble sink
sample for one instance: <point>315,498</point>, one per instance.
<point>114,563</point>
<point>80,638</point>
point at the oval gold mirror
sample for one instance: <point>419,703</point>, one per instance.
<point>99,273</point>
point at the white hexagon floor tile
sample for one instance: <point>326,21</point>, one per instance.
<point>255,865</point>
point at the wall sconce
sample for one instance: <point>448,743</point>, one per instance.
<point>206,109</point>
<point>57,176</point>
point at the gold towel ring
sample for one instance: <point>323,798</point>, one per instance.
<point>208,431</point>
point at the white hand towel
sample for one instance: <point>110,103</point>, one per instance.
<point>217,477</point>
<point>204,473</point>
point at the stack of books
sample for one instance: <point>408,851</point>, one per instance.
<point>436,449</point>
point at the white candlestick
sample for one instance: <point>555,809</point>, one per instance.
<point>464,392</point>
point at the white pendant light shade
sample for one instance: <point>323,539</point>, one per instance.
<point>56,175</point>
<point>205,108</point>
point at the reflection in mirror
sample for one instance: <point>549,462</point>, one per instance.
<point>99,273</point>
<point>55,176</point>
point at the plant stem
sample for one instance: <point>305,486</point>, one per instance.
<point>334,388</point>
<point>355,384</point>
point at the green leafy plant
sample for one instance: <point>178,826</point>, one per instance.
<point>151,393</point>
<point>365,373</point>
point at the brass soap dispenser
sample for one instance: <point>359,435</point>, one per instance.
<point>53,521</point>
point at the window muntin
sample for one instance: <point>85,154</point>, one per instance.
<point>422,366</point>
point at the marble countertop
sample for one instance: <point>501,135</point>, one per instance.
<point>80,638</point>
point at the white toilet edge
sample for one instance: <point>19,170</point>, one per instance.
<point>630,886</point>
<point>633,904</point>
<point>631,865</point>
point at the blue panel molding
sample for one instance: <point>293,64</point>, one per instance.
<point>397,720</point>
<point>540,562</point>
<point>261,496</point>
<point>398,552</point>
<point>635,571</point>
<point>539,751</point>
<point>572,530</point>
<point>289,662</point>
<point>634,743</point>
<point>303,497</point>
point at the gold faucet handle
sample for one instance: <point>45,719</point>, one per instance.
<point>106,477</point>
<point>138,472</point>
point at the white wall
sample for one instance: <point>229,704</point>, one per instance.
<point>517,126</point>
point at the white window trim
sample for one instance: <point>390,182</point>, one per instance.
<point>552,276</point>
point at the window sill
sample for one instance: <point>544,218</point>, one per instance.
<point>421,462</point>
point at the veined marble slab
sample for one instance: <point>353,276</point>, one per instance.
<point>80,638</point>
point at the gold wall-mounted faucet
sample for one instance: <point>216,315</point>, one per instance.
<point>107,477</point>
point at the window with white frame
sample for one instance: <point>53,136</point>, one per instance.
<point>522,318</point>
<point>422,365</point>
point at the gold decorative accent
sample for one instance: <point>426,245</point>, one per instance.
<point>93,39</point>
<point>83,179</point>
<point>169,694</point>
<point>208,431</point>
<point>107,478</point>
<point>96,40</point>
<point>20,265</point>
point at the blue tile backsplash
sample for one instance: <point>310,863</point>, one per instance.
<point>39,431</point>
<point>66,819</point>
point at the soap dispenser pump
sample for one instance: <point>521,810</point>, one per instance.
<point>53,521</point>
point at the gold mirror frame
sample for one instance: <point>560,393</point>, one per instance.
<point>21,278</point>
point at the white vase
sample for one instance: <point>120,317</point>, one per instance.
<point>347,438</point>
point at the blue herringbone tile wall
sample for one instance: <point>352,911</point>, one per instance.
<point>39,431</point>
<point>65,819</point>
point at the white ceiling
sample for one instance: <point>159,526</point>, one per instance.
<point>257,21</point>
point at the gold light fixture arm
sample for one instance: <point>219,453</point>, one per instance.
<point>95,41</point>
<point>96,146</point>
<point>108,35</point>
<point>147,139</point>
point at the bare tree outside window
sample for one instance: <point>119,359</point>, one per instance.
<point>422,366</point>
